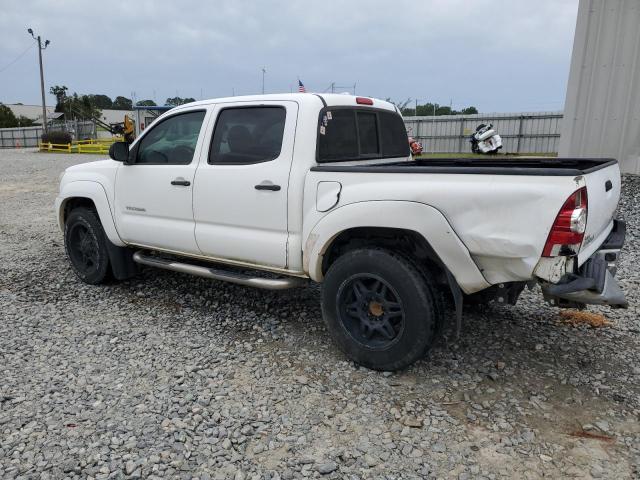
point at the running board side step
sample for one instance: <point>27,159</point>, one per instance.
<point>223,275</point>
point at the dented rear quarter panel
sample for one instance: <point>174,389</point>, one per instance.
<point>502,220</point>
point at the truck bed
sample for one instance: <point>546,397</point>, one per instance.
<point>489,166</point>
<point>501,208</point>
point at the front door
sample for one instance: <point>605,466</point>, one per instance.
<point>153,195</point>
<point>240,193</point>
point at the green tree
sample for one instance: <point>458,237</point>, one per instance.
<point>122,103</point>
<point>9,120</point>
<point>146,103</point>
<point>175,101</point>
<point>80,106</point>
<point>101,101</point>
<point>60,92</point>
<point>429,109</point>
<point>469,111</point>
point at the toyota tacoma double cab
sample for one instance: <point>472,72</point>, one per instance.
<point>273,191</point>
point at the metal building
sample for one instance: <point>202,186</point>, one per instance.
<point>602,107</point>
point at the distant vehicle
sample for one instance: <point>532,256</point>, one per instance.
<point>485,139</point>
<point>299,187</point>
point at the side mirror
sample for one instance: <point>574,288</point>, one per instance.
<point>119,151</point>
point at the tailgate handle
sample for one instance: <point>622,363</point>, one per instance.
<point>608,185</point>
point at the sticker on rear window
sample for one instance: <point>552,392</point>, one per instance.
<point>322,130</point>
<point>329,115</point>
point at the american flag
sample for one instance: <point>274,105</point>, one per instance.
<point>301,88</point>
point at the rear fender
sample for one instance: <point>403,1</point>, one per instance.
<point>423,219</point>
<point>95,192</point>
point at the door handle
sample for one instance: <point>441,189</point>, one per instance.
<point>182,183</point>
<point>267,186</point>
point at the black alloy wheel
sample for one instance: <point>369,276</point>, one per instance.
<point>371,310</point>
<point>380,307</point>
<point>83,248</point>
<point>86,246</point>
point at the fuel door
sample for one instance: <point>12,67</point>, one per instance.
<point>327,195</point>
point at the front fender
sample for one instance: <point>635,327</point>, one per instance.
<point>95,192</point>
<point>423,219</point>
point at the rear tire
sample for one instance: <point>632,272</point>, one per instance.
<point>86,245</point>
<point>381,311</point>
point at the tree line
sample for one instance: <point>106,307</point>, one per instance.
<point>90,105</point>
<point>408,109</point>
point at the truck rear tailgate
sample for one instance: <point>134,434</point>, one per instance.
<point>603,193</point>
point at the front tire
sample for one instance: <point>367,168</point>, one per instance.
<point>379,308</point>
<point>86,245</point>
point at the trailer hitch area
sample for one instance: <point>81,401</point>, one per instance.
<point>594,284</point>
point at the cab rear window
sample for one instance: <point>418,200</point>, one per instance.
<point>360,134</point>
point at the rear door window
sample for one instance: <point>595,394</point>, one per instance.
<point>246,135</point>
<point>357,134</point>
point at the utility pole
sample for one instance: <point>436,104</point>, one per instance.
<point>40,49</point>
<point>264,70</point>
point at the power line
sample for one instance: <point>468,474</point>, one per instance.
<point>17,58</point>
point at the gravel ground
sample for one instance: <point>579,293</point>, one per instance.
<point>171,376</point>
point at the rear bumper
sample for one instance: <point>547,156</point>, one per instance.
<point>594,282</point>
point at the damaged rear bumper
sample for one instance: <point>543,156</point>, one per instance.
<point>593,283</point>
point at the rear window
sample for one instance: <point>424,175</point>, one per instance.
<point>357,134</point>
<point>394,135</point>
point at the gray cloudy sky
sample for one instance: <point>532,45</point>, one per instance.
<point>499,55</point>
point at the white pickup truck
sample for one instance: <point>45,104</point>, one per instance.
<point>272,191</point>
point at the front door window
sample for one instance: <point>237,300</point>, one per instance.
<point>172,141</point>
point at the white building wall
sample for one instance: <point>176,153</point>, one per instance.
<point>602,107</point>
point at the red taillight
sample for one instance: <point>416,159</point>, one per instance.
<point>568,230</point>
<point>364,101</point>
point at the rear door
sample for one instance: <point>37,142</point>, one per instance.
<point>240,192</point>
